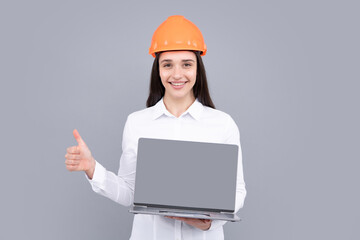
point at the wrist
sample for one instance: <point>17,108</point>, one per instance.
<point>90,171</point>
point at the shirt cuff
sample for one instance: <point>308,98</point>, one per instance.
<point>99,176</point>
<point>216,224</point>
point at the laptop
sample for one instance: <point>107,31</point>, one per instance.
<point>186,179</point>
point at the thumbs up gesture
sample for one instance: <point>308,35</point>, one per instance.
<point>79,158</point>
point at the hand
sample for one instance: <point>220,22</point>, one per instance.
<point>79,158</point>
<point>203,224</point>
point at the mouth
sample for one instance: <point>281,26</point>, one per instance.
<point>177,83</point>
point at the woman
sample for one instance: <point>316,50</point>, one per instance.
<point>179,107</point>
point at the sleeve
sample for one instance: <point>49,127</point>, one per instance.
<point>233,137</point>
<point>120,187</point>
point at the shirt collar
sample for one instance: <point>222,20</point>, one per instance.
<point>194,110</point>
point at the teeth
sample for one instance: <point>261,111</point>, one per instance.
<point>178,84</point>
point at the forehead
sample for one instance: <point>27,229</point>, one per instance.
<point>177,55</point>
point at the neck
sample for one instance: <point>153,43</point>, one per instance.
<point>177,106</point>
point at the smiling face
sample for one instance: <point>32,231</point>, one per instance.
<point>178,74</point>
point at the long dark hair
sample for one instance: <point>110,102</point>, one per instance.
<point>200,89</point>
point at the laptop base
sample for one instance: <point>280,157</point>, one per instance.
<point>185,213</point>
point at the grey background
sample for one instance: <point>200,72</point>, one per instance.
<point>286,71</point>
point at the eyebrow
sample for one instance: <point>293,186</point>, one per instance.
<point>184,60</point>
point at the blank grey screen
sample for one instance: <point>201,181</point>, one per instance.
<point>186,174</point>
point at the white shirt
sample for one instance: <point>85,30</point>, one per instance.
<point>198,123</point>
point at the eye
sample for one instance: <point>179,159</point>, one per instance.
<point>187,64</point>
<point>167,65</point>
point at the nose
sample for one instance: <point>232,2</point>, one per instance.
<point>177,73</point>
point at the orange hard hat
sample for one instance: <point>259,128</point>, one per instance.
<point>177,33</point>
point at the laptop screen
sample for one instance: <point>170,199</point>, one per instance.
<point>184,174</point>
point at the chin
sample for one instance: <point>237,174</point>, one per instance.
<point>179,96</point>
